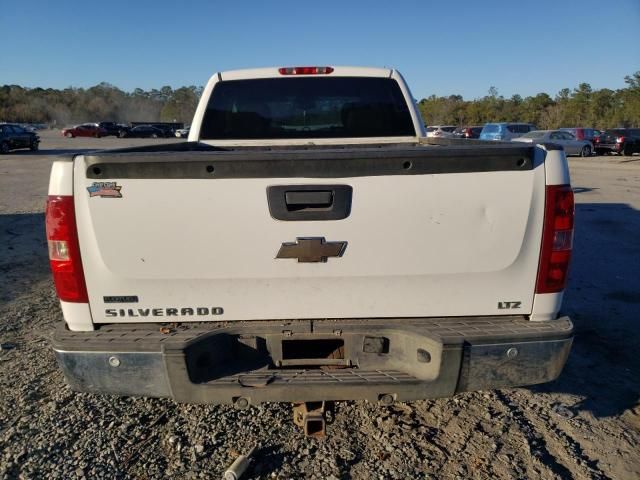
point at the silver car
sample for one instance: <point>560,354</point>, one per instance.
<point>571,145</point>
<point>182,132</point>
<point>440,131</point>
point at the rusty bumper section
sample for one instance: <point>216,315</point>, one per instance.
<point>248,363</point>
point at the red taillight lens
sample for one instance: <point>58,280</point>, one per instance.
<point>620,140</point>
<point>64,250</point>
<point>305,70</point>
<point>557,239</point>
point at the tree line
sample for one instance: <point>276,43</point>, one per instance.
<point>103,102</point>
<point>583,106</point>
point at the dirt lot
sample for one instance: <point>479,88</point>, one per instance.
<point>584,425</point>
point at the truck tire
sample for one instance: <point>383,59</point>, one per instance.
<point>4,147</point>
<point>586,151</point>
<point>627,149</point>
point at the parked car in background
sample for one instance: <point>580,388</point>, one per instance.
<point>468,132</point>
<point>505,131</point>
<point>14,137</point>
<point>166,126</point>
<point>583,133</point>
<point>32,127</point>
<point>167,129</point>
<point>146,131</point>
<point>85,130</point>
<point>597,134</point>
<point>440,131</point>
<point>113,128</point>
<point>183,132</point>
<point>624,141</point>
<point>571,145</point>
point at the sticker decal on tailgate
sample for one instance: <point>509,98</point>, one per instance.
<point>105,190</point>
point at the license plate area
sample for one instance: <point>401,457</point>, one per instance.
<point>313,352</point>
<point>225,354</point>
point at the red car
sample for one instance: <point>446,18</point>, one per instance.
<point>580,133</point>
<point>85,130</point>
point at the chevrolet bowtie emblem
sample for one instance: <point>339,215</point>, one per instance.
<point>308,250</point>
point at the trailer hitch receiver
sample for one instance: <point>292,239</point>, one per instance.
<point>310,416</point>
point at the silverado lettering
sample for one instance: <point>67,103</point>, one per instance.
<point>160,312</point>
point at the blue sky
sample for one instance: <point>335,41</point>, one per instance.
<point>441,47</point>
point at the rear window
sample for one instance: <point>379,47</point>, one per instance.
<point>518,128</point>
<point>492,128</point>
<point>306,107</point>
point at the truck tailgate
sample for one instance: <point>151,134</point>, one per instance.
<point>191,236</point>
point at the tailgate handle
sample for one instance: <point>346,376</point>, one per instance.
<point>309,202</point>
<point>297,200</point>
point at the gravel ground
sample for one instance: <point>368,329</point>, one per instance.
<point>584,425</point>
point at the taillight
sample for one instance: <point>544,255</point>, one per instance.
<point>305,70</point>
<point>620,140</point>
<point>557,239</point>
<point>64,249</point>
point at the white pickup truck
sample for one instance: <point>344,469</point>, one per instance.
<point>310,243</point>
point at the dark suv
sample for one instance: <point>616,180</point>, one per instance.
<point>625,141</point>
<point>14,137</point>
<point>113,128</point>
